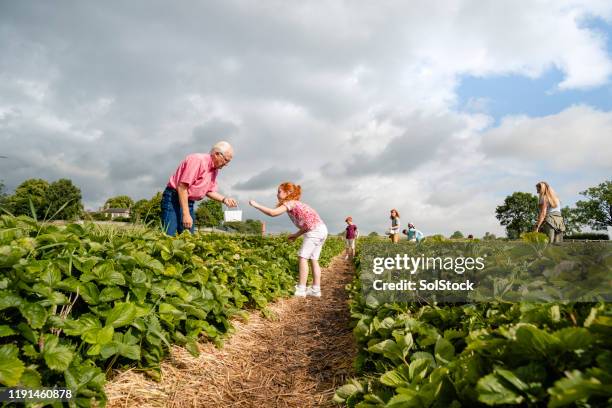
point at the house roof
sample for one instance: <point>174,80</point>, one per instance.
<point>117,210</point>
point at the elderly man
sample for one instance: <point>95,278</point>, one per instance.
<point>195,177</point>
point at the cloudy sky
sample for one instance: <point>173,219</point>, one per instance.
<point>437,108</point>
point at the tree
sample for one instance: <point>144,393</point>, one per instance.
<point>457,235</point>
<point>64,200</point>
<point>3,195</point>
<point>518,213</point>
<point>31,189</point>
<point>121,201</point>
<point>209,214</point>
<point>488,236</point>
<point>571,219</point>
<point>147,211</point>
<point>245,227</point>
<point>596,211</point>
<point>373,234</point>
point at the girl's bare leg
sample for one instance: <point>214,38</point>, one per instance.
<point>316,273</point>
<point>303,268</point>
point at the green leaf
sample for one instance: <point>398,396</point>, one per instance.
<point>138,277</point>
<point>536,343</point>
<point>35,314</point>
<point>407,399</point>
<point>511,378</point>
<point>11,367</point>
<point>84,323</point>
<point>57,356</point>
<point>90,293</point>
<point>121,315</point>
<point>418,369</point>
<point>111,293</point>
<point>575,386</point>
<point>30,378</point>
<point>347,390</point>
<point>444,350</point>
<point>574,338</point>
<point>388,348</point>
<point>9,299</point>
<point>129,351</point>
<point>192,347</point>
<point>394,379</point>
<point>492,392</point>
<point>99,336</point>
<point>6,331</point>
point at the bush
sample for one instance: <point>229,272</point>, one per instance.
<point>122,219</point>
<point>589,235</point>
<point>435,238</point>
<point>100,216</point>
<point>534,237</point>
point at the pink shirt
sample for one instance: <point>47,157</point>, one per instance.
<point>198,172</point>
<point>302,215</point>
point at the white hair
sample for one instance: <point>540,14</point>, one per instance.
<point>223,147</point>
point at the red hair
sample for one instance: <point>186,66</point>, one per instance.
<point>293,191</point>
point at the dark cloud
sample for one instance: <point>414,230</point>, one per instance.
<point>269,179</point>
<point>417,145</point>
<point>115,96</point>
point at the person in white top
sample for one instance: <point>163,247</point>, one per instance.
<point>549,216</point>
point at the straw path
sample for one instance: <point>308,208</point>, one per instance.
<point>296,359</point>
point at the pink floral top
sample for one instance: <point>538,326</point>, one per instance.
<point>302,215</point>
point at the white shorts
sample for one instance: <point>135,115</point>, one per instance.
<point>313,243</point>
<point>350,243</point>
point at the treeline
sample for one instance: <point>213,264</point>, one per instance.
<point>62,200</point>
<point>40,199</point>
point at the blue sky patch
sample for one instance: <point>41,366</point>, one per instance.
<point>500,96</point>
<point>518,95</point>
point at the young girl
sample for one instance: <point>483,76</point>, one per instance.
<point>310,225</point>
<point>352,233</point>
<point>549,216</point>
<point>394,231</point>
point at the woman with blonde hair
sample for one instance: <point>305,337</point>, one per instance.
<point>549,216</point>
<point>394,231</point>
<point>310,225</point>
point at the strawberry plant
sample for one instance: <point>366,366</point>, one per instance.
<point>77,301</point>
<point>478,354</point>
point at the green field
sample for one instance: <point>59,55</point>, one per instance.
<point>79,300</point>
<point>489,353</point>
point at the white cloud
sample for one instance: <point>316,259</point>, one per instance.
<point>114,98</point>
<point>577,138</point>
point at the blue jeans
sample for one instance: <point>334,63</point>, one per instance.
<point>171,214</point>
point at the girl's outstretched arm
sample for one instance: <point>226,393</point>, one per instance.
<point>272,212</point>
<point>296,235</point>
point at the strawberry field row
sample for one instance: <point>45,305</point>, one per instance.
<point>76,301</point>
<point>478,354</point>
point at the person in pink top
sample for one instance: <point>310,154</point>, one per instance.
<point>310,225</point>
<point>194,179</point>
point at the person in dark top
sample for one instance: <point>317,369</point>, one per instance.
<point>352,233</point>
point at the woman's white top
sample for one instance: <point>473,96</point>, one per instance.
<point>550,208</point>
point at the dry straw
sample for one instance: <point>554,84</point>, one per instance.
<point>295,359</point>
